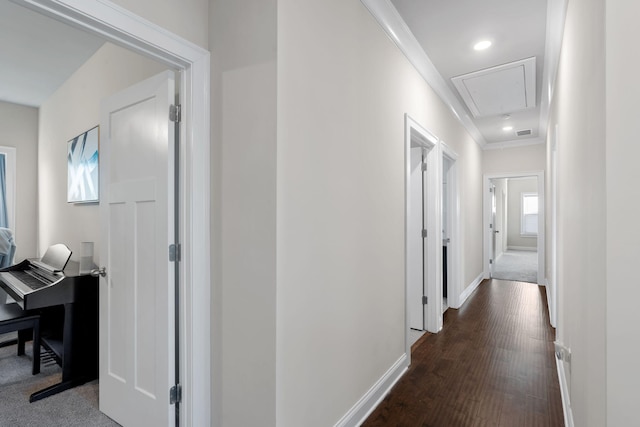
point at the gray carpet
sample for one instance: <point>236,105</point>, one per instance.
<point>520,266</point>
<point>71,408</point>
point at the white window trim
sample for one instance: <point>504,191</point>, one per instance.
<point>10,177</point>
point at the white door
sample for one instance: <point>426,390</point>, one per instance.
<point>415,242</point>
<point>492,226</point>
<point>137,227</point>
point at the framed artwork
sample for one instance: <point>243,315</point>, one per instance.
<point>82,167</point>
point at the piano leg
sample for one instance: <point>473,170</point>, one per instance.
<point>78,354</point>
<point>23,336</point>
<point>36,349</point>
<point>7,343</point>
<point>57,388</point>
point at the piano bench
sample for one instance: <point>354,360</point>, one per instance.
<point>12,319</point>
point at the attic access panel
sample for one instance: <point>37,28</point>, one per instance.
<point>499,90</point>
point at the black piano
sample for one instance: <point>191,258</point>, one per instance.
<point>68,306</point>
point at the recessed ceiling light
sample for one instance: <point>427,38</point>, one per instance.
<point>507,128</point>
<point>484,44</point>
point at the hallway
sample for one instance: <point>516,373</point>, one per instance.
<point>492,364</point>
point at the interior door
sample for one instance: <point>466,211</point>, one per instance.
<point>492,262</point>
<point>415,273</point>
<point>137,226</point>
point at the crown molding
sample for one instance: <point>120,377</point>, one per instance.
<point>390,20</point>
<point>556,14</point>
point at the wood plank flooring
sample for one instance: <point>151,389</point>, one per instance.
<point>491,365</point>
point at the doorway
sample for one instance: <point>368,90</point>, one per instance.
<point>515,229</point>
<point>450,228</point>
<point>422,223</point>
<point>446,234</point>
<point>514,253</point>
<point>126,29</point>
<point>429,163</point>
<point>514,232</point>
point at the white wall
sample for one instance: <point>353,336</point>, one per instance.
<point>622,213</point>
<point>186,18</point>
<point>73,109</point>
<point>514,211</point>
<point>243,44</point>
<point>301,344</point>
<point>19,129</point>
<point>578,108</point>
<point>517,159</point>
<point>343,88</point>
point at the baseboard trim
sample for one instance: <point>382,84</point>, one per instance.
<point>372,398</point>
<point>469,290</point>
<point>564,392</point>
<point>522,248</point>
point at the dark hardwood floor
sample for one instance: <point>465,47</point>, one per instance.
<point>491,365</point>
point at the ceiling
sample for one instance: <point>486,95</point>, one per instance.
<point>493,87</point>
<point>38,54</point>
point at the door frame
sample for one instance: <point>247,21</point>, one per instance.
<point>417,134</point>
<point>119,26</point>
<point>486,221</point>
<point>453,219</point>
<point>552,281</point>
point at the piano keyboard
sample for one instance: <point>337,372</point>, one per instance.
<point>27,281</point>
<point>31,280</point>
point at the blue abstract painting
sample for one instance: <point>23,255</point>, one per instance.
<point>82,166</point>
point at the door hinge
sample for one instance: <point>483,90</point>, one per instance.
<point>490,225</point>
<point>174,253</point>
<point>490,190</point>
<point>424,167</point>
<point>425,300</point>
<point>175,113</point>
<point>424,234</point>
<point>490,261</point>
<point>175,394</point>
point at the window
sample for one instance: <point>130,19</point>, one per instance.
<point>529,215</point>
<point>4,221</point>
<point>7,187</point>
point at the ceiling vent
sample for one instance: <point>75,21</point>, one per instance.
<point>523,132</point>
<point>499,90</point>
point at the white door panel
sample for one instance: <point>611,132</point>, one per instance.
<point>136,296</point>
<point>493,228</point>
<point>415,273</point>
